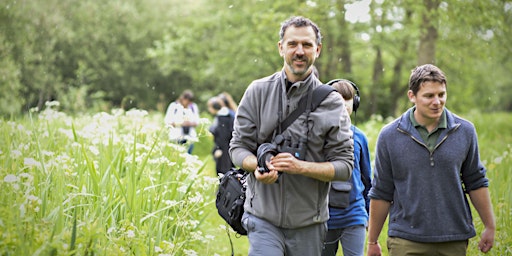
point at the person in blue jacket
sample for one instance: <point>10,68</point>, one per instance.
<point>427,168</point>
<point>347,225</point>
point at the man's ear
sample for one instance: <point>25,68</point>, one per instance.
<point>318,50</point>
<point>412,97</point>
<point>280,48</point>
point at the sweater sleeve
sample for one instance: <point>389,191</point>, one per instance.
<point>473,171</point>
<point>365,167</point>
<point>338,147</point>
<point>244,141</point>
<point>382,183</point>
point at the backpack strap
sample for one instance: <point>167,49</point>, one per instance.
<point>319,94</point>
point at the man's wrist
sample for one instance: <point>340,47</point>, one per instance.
<point>372,243</point>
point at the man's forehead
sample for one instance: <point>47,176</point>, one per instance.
<point>303,33</point>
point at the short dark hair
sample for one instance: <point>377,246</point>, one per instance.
<point>187,95</point>
<point>299,21</point>
<point>424,73</point>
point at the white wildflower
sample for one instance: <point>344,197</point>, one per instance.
<point>130,234</point>
<point>170,202</point>
<point>67,132</point>
<point>15,154</point>
<point>110,230</point>
<point>136,113</point>
<point>190,252</point>
<point>94,150</point>
<point>10,178</point>
<point>183,188</point>
<point>168,244</point>
<point>193,223</point>
<point>197,198</point>
<point>47,153</point>
<point>196,235</point>
<point>50,104</point>
<point>31,162</point>
<point>117,112</point>
<point>26,175</point>
<point>33,198</point>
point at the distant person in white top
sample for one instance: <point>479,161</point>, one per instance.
<point>181,118</point>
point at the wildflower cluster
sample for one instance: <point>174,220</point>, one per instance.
<point>103,184</point>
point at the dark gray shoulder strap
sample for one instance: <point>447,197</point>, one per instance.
<point>319,94</point>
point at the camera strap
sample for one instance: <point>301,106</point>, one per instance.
<point>308,102</point>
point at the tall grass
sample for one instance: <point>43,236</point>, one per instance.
<point>112,184</point>
<point>107,184</point>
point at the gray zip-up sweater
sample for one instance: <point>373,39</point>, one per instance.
<point>295,200</point>
<point>427,188</point>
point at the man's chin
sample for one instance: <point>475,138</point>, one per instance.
<point>299,71</point>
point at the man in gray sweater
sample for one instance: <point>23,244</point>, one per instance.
<point>286,205</point>
<point>426,162</point>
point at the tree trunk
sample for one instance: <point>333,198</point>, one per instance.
<point>398,87</point>
<point>378,68</point>
<point>428,37</point>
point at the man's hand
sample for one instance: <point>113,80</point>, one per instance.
<point>486,240</point>
<point>373,250</point>
<point>267,177</point>
<point>286,162</point>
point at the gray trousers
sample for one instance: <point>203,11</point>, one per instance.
<point>266,239</point>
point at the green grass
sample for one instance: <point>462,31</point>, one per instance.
<point>111,184</point>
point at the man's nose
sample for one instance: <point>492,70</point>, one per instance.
<point>300,49</point>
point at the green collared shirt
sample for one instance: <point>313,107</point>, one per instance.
<point>430,139</point>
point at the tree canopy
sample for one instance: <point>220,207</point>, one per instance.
<point>94,55</point>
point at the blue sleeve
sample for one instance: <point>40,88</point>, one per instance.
<point>365,167</point>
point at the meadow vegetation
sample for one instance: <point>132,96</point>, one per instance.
<point>112,184</point>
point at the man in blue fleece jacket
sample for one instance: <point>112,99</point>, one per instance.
<point>426,162</point>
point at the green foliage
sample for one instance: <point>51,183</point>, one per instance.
<point>91,55</point>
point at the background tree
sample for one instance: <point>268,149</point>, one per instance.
<point>95,55</point>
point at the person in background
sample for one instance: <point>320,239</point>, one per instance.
<point>221,129</point>
<point>286,198</point>
<point>426,163</point>
<point>181,117</point>
<point>348,220</point>
<point>228,101</point>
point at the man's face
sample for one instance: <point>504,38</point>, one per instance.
<point>299,51</point>
<point>429,101</point>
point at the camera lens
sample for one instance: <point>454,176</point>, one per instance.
<point>265,152</point>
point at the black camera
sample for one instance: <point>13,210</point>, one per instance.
<point>186,130</point>
<point>280,144</point>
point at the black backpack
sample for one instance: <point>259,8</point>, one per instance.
<point>231,197</point>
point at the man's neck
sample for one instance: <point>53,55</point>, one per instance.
<point>429,124</point>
